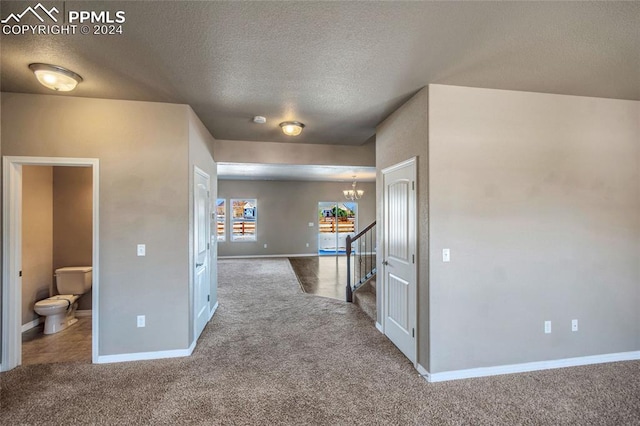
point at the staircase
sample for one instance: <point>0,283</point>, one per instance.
<point>361,270</point>
<point>365,297</point>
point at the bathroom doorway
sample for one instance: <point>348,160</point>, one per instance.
<point>50,221</point>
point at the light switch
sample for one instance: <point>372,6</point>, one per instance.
<point>142,250</point>
<point>310,224</point>
<point>446,255</point>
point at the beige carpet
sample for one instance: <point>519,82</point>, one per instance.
<point>273,355</point>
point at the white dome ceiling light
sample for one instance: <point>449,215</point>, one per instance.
<point>55,77</point>
<point>292,128</point>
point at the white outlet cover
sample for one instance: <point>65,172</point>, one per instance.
<point>446,255</point>
<point>547,327</point>
<point>310,224</point>
<point>142,250</point>
<point>141,321</point>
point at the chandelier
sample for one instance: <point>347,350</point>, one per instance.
<point>353,193</point>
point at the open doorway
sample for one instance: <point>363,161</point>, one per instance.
<point>50,233</point>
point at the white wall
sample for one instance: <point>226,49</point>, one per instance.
<point>538,198</point>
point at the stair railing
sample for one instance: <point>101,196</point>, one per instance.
<point>361,259</point>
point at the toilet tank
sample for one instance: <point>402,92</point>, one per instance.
<point>74,279</point>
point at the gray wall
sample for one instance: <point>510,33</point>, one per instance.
<point>144,178</point>
<point>201,155</point>
<point>285,209</point>
<point>538,198</point>
<point>401,136</point>
<point>292,153</point>
<point>37,237</point>
<point>73,220</point>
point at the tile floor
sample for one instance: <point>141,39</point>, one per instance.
<point>70,345</point>
<point>322,275</point>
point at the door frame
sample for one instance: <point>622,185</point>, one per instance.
<point>198,171</point>
<point>11,334</point>
<point>413,225</point>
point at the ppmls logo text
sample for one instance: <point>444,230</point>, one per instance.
<point>33,11</point>
<point>39,19</point>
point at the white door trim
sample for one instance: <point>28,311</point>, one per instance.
<point>381,327</point>
<point>12,252</point>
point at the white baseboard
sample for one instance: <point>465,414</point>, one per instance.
<point>258,256</point>
<point>379,327</point>
<point>84,313</point>
<point>529,366</point>
<point>145,356</point>
<point>213,311</point>
<point>32,324</point>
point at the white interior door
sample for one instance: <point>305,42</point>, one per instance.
<point>201,250</point>
<point>398,263</point>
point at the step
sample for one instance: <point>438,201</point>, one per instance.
<point>372,285</point>
<point>366,300</point>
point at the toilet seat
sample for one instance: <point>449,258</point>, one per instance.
<point>57,302</point>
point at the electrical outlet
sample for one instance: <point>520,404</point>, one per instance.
<point>446,255</point>
<point>307,244</point>
<point>142,250</point>
<point>310,224</point>
<point>574,325</point>
<point>141,321</point>
<point>265,246</point>
<point>547,327</point>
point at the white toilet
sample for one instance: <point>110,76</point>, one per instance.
<point>59,311</point>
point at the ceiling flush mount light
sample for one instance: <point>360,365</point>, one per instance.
<point>291,128</point>
<point>55,77</point>
<point>353,193</point>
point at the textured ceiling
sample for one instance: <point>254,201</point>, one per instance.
<point>339,67</point>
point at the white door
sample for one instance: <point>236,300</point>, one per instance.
<point>201,250</point>
<point>398,261</point>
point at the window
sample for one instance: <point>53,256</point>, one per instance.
<point>336,221</point>
<point>244,215</point>
<point>221,216</point>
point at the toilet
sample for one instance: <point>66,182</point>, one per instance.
<point>59,311</point>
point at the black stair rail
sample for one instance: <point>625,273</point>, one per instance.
<point>365,268</point>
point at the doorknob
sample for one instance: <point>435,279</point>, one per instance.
<point>385,263</point>
<point>199,265</point>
